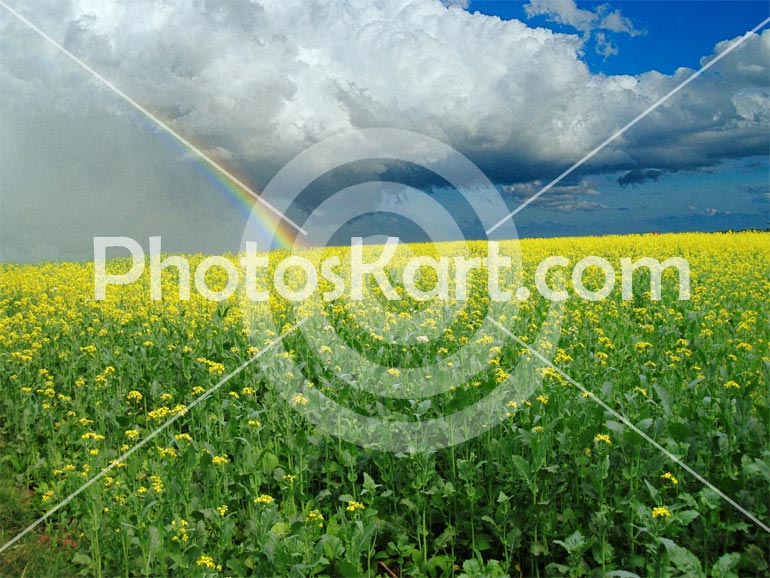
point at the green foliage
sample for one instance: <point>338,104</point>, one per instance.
<point>243,485</point>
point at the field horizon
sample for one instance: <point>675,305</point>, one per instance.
<point>519,239</point>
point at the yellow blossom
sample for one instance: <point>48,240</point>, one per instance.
<point>353,506</point>
<point>166,452</point>
<point>603,438</point>
<point>642,346</point>
<point>157,484</point>
<point>315,516</point>
<point>180,530</point>
<point>670,477</point>
<point>206,562</point>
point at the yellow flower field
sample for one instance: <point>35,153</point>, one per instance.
<point>243,482</point>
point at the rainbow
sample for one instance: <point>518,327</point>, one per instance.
<point>282,229</point>
<point>284,236</point>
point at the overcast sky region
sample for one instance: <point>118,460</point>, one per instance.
<point>523,89</point>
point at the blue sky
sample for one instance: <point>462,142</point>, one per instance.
<point>678,32</point>
<point>671,34</point>
<point>523,89</point>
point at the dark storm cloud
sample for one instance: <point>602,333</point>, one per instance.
<point>637,177</point>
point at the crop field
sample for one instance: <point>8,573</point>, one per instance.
<point>193,470</point>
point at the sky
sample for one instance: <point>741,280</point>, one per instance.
<point>522,89</point>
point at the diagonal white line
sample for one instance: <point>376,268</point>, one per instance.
<point>144,441</point>
<point>635,429</point>
<point>151,116</point>
<point>619,132</point>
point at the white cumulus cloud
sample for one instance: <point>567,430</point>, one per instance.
<point>259,81</point>
<point>600,22</point>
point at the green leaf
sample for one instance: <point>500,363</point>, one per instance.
<point>686,516</point>
<point>723,568</point>
<point>445,538</point>
<point>573,543</point>
<point>280,528</point>
<point>348,570</point>
<point>370,487</point>
<point>179,558</point>
<point>694,382</point>
<point>522,466</point>
<point>154,539</point>
<point>81,559</point>
<point>644,424</point>
<point>680,431</point>
<point>604,468</point>
<point>560,568</point>
<point>665,398</point>
<point>471,567</point>
<point>333,547</point>
<point>615,426</point>
<point>684,560</point>
<point>269,462</point>
<point>757,467</point>
<point>653,491</point>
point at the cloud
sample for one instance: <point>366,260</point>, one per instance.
<point>604,46</point>
<point>456,3</point>
<point>638,176</point>
<point>563,12</point>
<point>708,211</point>
<point>255,83</point>
<point>598,24</point>
<point>602,20</point>
<point>759,193</point>
<point>614,21</point>
<point>562,197</point>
